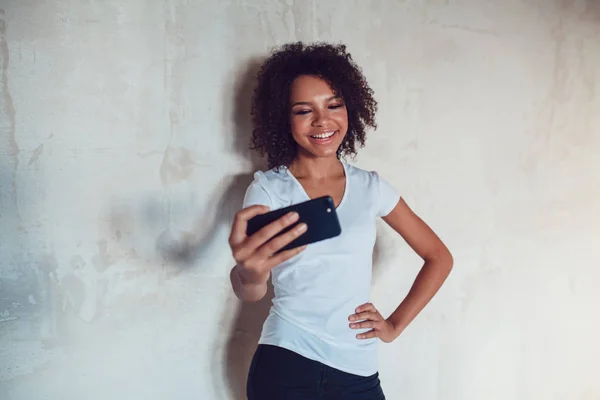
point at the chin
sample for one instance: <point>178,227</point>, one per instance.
<point>320,152</point>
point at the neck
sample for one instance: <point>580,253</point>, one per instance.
<point>315,168</point>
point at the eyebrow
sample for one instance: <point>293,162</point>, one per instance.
<point>308,103</point>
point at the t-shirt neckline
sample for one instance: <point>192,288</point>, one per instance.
<point>346,186</point>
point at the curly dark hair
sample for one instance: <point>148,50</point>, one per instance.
<point>271,101</point>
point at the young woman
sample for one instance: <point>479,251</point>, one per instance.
<point>311,108</point>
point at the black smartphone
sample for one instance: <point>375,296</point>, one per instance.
<point>318,214</point>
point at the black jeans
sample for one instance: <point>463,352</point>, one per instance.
<point>280,374</point>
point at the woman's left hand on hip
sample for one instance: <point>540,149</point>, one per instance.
<point>366,317</point>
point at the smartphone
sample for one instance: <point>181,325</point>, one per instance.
<point>318,214</point>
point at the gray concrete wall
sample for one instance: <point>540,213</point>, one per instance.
<point>123,132</point>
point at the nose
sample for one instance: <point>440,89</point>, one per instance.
<point>321,118</point>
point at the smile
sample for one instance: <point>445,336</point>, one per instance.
<point>323,136</point>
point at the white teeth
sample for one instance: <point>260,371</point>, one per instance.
<point>323,135</point>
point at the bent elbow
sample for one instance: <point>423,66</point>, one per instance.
<point>442,259</point>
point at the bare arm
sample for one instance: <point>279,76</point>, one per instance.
<point>437,265</point>
<point>244,289</point>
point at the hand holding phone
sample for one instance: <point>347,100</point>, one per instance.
<point>318,214</point>
<point>255,254</point>
<point>262,240</point>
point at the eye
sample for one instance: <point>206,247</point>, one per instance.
<point>301,112</point>
<point>334,106</point>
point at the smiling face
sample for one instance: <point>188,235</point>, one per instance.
<point>319,119</point>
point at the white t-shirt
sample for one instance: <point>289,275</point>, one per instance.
<point>317,290</point>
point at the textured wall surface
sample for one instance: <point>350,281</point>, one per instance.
<point>123,133</point>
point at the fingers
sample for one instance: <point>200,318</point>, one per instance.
<point>262,236</point>
<point>365,316</point>
<point>369,318</point>
<point>366,307</point>
<point>284,256</point>
<point>240,223</point>
<point>281,241</point>
<point>368,335</point>
<point>366,311</point>
<point>266,254</point>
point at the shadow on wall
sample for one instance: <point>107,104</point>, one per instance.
<point>181,251</point>
<point>248,321</point>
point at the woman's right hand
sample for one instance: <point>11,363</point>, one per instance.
<point>255,255</point>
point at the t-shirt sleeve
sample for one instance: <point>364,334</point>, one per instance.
<point>388,196</point>
<point>256,194</point>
